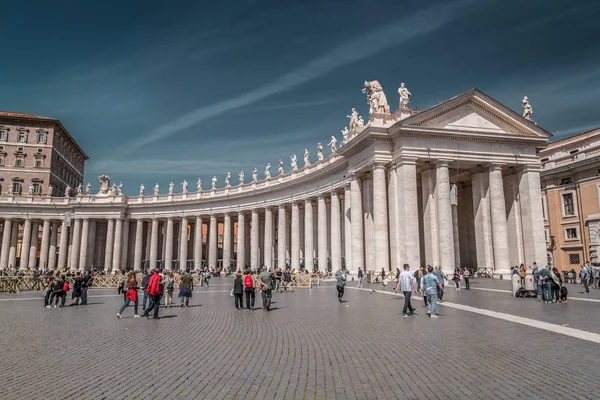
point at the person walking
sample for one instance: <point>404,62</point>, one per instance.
<point>418,275</point>
<point>145,281</point>
<point>432,288</point>
<point>186,287</point>
<point>131,287</point>
<point>360,278</point>
<point>266,287</point>
<point>467,276</point>
<point>442,280</point>
<point>154,289</point>
<point>48,291</point>
<point>169,289</point>
<point>238,291</point>
<point>383,276</point>
<point>76,295</point>
<point>340,283</point>
<point>456,277</point>
<point>584,278</point>
<point>249,290</point>
<point>406,282</point>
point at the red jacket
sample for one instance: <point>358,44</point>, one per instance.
<point>154,285</point>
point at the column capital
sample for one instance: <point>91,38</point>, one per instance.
<point>531,168</point>
<point>321,196</point>
<point>306,201</point>
<point>334,193</point>
<point>378,165</point>
<point>282,207</point>
<point>294,203</point>
<point>254,211</point>
<point>496,166</point>
<point>406,160</point>
<point>442,163</point>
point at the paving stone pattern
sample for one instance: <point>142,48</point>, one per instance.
<point>309,347</point>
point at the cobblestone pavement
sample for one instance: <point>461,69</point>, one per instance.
<point>309,346</point>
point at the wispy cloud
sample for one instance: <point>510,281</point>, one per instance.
<point>408,28</point>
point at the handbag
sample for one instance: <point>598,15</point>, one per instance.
<point>231,293</point>
<point>45,292</point>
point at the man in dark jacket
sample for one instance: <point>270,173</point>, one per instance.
<point>77,283</point>
<point>86,282</point>
<point>145,281</point>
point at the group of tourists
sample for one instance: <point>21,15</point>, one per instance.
<point>57,287</point>
<point>266,283</point>
<point>155,284</point>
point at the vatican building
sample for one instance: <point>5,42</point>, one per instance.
<point>457,184</point>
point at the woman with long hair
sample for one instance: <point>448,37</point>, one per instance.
<point>170,287</point>
<point>131,286</point>
<point>556,285</point>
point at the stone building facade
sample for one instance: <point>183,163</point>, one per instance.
<point>456,184</point>
<point>37,152</point>
<point>570,179</point>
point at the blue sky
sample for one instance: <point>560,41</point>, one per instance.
<point>156,91</point>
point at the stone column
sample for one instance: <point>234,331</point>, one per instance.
<point>52,248</point>
<point>12,252</point>
<point>499,228</point>
<point>356,216</point>
<point>513,220</point>
<point>139,238</point>
<point>336,233</point>
<point>212,250</point>
<point>268,238</point>
<point>430,218</point>
<point>148,241</point>
<point>295,236</point>
<point>394,211</point>
<point>408,212</point>
<point>91,244</point>
<point>183,244</point>
<point>254,240</point>
<point>198,244</point>
<point>110,242</point>
<point>380,218</point>
<point>348,229</point>
<point>227,245</point>
<point>445,230</point>
<point>24,261</point>
<point>241,242</point>
<point>116,263</point>
<point>5,243</point>
<point>85,233</point>
<point>455,232</point>
<point>482,220</point>
<point>125,245</point>
<point>33,247</point>
<point>281,236</point>
<point>532,219</point>
<point>369,224</point>
<point>169,245</point>
<point>322,232</point>
<point>154,243</point>
<point>309,241</point>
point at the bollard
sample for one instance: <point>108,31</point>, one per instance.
<point>529,285</point>
<point>516,283</point>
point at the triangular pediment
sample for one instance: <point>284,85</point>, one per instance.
<point>474,111</point>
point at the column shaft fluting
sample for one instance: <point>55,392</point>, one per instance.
<point>445,229</point>
<point>45,244</point>
<point>309,241</point>
<point>212,251</point>
<point>241,242</point>
<point>14,238</point>
<point>281,236</point>
<point>380,218</point>
<point>154,244</point>
<point>356,215</point>
<point>499,227</point>
<point>52,248</point>
<point>198,244</point>
<point>33,246</point>
<point>24,261</point>
<point>85,232</point>
<point>91,244</point>
<point>169,245</point>
<point>183,244</point>
<point>116,263</point>
<point>254,240</point>
<point>139,238</point>
<point>227,242</point>
<point>268,250</point>
<point>336,233</point>
<point>348,229</point>
<point>110,242</point>
<point>125,245</point>
<point>295,237</point>
<point>322,233</point>
<point>5,243</point>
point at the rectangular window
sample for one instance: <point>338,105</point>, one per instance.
<point>3,134</point>
<point>571,234</point>
<point>568,205</point>
<point>41,137</point>
<point>37,188</point>
<point>566,181</point>
<point>574,259</point>
<point>547,235</point>
<point>16,187</point>
<point>22,137</point>
<point>1,160</point>
<point>39,163</point>
<point>19,162</point>
<point>544,208</point>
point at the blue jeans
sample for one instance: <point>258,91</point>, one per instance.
<point>126,303</point>
<point>145,301</point>
<point>84,295</point>
<point>431,300</point>
<point>547,291</point>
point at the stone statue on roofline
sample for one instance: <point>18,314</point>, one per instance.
<point>404,96</point>
<point>104,185</point>
<point>50,190</point>
<point>255,175</point>
<point>30,190</point>
<point>68,191</point>
<point>333,145</point>
<point>228,180</point>
<point>184,187</point>
<point>241,175</point>
<point>88,189</point>
<point>171,187</point>
<point>527,109</point>
<point>280,168</point>
<point>156,189</point>
<point>319,152</point>
<point>214,183</point>
<point>120,189</point>
<point>268,171</point>
<point>199,185</point>
<point>142,189</point>
<point>353,119</point>
<point>306,158</point>
<point>376,98</point>
<point>294,163</point>
<point>79,189</point>
<point>346,135</point>
<point>113,189</point>
<point>361,124</point>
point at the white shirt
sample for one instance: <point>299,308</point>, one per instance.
<point>406,281</point>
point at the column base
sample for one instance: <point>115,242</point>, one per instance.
<point>501,275</point>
